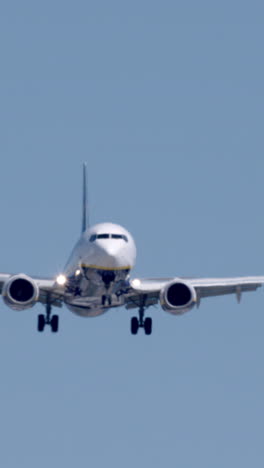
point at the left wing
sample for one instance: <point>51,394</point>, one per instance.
<point>207,287</point>
<point>146,292</point>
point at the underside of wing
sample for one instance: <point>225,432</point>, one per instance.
<point>50,292</point>
<point>208,287</point>
<point>178,295</point>
<point>145,292</point>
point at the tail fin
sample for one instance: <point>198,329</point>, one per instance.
<point>85,213</point>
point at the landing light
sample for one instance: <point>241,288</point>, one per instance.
<point>77,272</point>
<point>136,283</point>
<point>61,280</point>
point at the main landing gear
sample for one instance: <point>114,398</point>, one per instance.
<point>140,322</point>
<point>48,320</point>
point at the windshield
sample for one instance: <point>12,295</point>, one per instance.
<point>108,236</point>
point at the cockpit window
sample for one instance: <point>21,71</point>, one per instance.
<point>108,236</point>
<point>119,236</point>
<point>103,236</point>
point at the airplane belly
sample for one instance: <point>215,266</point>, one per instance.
<point>84,311</point>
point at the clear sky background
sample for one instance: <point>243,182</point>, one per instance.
<point>164,100</point>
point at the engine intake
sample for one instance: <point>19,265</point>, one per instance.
<point>20,292</point>
<point>178,297</point>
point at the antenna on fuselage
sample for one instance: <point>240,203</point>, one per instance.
<point>85,212</point>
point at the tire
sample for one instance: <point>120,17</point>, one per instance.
<point>54,323</point>
<point>134,325</point>
<point>41,322</point>
<point>148,326</point>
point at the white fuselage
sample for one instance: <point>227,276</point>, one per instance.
<point>98,269</point>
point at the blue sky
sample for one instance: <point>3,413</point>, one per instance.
<point>164,100</point>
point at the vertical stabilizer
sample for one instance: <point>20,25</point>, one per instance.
<point>85,214</point>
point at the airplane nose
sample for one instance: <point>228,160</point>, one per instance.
<point>110,256</point>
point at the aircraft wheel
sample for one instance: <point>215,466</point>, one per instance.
<point>41,322</point>
<point>54,323</point>
<point>134,325</point>
<point>148,326</point>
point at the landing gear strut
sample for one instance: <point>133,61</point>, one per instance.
<point>43,320</point>
<point>108,277</point>
<point>106,298</point>
<point>140,322</point>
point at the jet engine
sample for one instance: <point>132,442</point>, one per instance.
<point>178,297</point>
<point>20,292</point>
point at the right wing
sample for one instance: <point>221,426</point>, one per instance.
<point>49,291</point>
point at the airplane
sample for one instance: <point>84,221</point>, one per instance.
<point>97,278</point>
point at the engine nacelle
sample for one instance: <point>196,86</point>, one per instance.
<point>178,297</point>
<point>20,292</point>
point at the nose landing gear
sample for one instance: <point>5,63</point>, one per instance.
<point>48,320</point>
<point>108,277</point>
<point>140,322</point>
<point>106,298</point>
